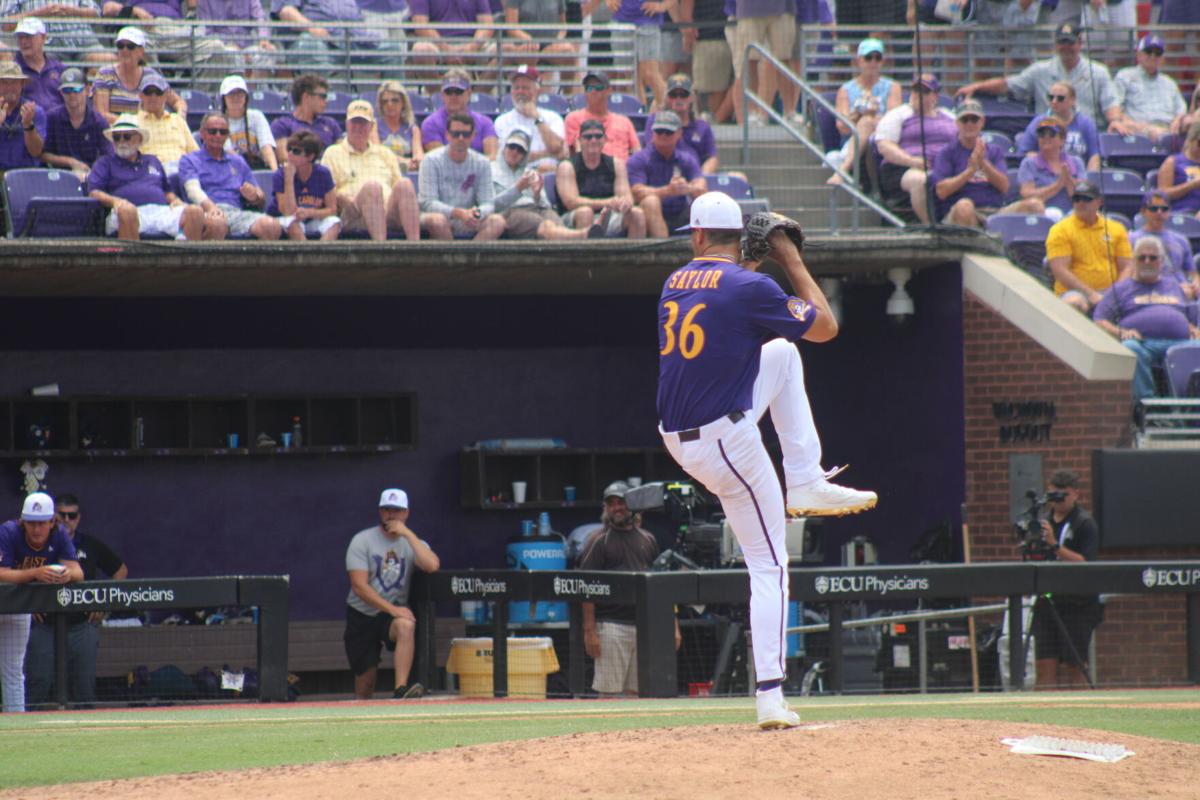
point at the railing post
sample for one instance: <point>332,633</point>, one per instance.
<point>1016,641</point>
<point>923,656</point>
<point>836,671</point>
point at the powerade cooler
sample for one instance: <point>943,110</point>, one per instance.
<point>537,552</point>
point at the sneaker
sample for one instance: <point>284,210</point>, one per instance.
<point>773,711</point>
<point>824,499</point>
<point>408,692</point>
<point>757,121</point>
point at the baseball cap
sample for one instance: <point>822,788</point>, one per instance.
<point>72,78</point>
<point>132,35</point>
<point>38,507</point>
<point>9,71</point>
<point>233,83</point>
<point>714,211</point>
<point>591,125</point>
<point>871,45</point>
<point>599,77</point>
<point>667,121</point>
<point>1068,32</point>
<point>615,489</point>
<point>360,109</point>
<point>519,138</point>
<point>393,498</point>
<point>1050,121</point>
<point>456,82</point>
<point>31,26</point>
<point>1151,41</point>
<point>969,107</point>
<point>928,82</point>
<point>1085,190</point>
<point>679,81</point>
<point>527,71</point>
<point>154,80</point>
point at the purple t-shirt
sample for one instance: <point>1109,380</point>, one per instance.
<point>327,129</point>
<point>939,131</point>
<point>952,160</point>
<point>1179,250</point>
<point>86,143</point>
<point>309,194</point>
<point>15,552</point>
<point>701,379</point>
<point>1034,168</point>
<point>649,168</point>
<point>697,139</point>
<point>1082,138</point>
<point>449,11</point>
<point>333,11</point>
<point>630,12</point>
<point>171,9</point>
<point>142,181</point>
<point>1156,310</point>
<point>13,153</point>
<point>383,6</point>
<point>813,11</point>
<point>1186,170</point>
<point>433,129</point>
<point>220,178</point>
<point>42,87</point>
<point>233,10</point>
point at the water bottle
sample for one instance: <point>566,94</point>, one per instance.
<point>544,523</point>
<point>297,432</point>
<point>527,528</point>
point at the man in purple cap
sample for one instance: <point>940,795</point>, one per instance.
<point>23,132</point>
<point>1152,102</point>
<point>75,131</point>
<point>545,128</point>
<point>43,71</point>
<point>309,97</point>
<point>665,178</point>
<point>456,95</point>
<point>451,45</point>
<point>908,138</point>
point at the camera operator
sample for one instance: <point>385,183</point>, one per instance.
<point>1069,534</point>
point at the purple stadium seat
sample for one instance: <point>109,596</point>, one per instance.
<point>1005,116</point>
<point>1123,189</point>
<point>1024,237</point>
<point>1180,363</point>
<point>336,104</point>
<point>731,185</point>
<point>1121,218</point>
<point>484,104</point>
<point>1186,225</point>
<point>1137,153</point>
<point>48,203</point>
<point>1014,187</point>
<point>554,102</point>
<point>199,103</point>
<point>265,179</point>
<point>420,104</point>
<point>621,103</point>
<point>272,104</point>
<point>1012,157</point>
<point>548,189</point>
<point>831,138</point>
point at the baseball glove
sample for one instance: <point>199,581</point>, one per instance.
<point>755,241</point>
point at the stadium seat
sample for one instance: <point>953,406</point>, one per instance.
<point>554,102</point>
<point>272,104</point>
<point>732,185</point>
<point>420,104</point>
<point>1186,225</point>
<point>265,178</point>
<point>548,189</point>
<point>1151,181</point>
<point>199,103</point>
<point>831,138</point>
<point>1122,189</point>
<point>1014,186</point>
<point>48,203</point>
<point>1181,362</point>
<point>336,104</point>
<point>1012,157</point>
<point>483,104</point>
<point>1005,116</point>
<point>1024,237</point>
<point>1137,153</point>
<point>1121,218</point>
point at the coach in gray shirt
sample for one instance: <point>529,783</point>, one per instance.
<point>456,191</point>
<point>1091,79</point>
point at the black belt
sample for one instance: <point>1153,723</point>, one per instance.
<point>693,434</point>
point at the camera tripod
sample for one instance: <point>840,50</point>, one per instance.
<point>1076,660</point>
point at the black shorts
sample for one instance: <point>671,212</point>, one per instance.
<point>1079,619</point>
<point>364,637</point>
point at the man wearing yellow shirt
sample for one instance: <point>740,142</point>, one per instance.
<point>1087,251</point>
<point>170,139</point>
<point>372,194</point>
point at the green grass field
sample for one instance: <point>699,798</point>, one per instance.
<point>98,745</point>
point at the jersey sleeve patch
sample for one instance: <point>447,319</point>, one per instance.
<point>799,309</point>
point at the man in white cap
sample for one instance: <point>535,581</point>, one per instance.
<point>380,562</point>
<point>134,185</point>
<point>73,41</point>
<point>43,71</point>
<point>23,132</point>
<point>32,549</point>
<point>716,380</point>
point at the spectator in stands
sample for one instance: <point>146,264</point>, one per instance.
<point>520,196</point>
<point>43,71</point>
<point>249,132</point>
<point>1179,175</point>
<point>1148,313</point>
<point>172,40</point>
<point>1179,127</point>
<point>1087,251</point>
<point>647,18</point>
<point>1151,99</point>
<point>697,135</point>
<point>1098,95</point>
<point>1050,174</point>
<point>908,138</point>
<point>770,24</point>
<point>319,46</point>
<point>23,133</point>
<point>1155,210</point>
<point>465,45</point>
<point>170,139</point>
<point>592,183</point>
<point>372,193</point>
<point>135,187</point>
<point>544,127</point>
<point>97,560</point>
<point>397,129</point>
<point>970,178</point>
<point>620,139</point>
<point>73,41</point>
<point>379,562</point>
<point>310,95</point>
<point>117,87</point>
<point>808,12</point>
<point>456,95</point>
<point>556,54</point>
<point>222,184</point>
<point>29,547</point>
<point>248,47</point>
<point>75,131</point>
<point>665,178</point>
<point>1015,42</point>
<point>303,193</point>
<point>864,99</point>
<point>456,188</point>
<point>712,60</point>
<point>1082,138</point>
<point>609,632</point>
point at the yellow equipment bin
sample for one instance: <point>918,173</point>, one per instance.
<point>530,660</point>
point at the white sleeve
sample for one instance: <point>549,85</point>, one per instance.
<point>262,129</point>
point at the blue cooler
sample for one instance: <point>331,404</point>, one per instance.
<point>537,552</point>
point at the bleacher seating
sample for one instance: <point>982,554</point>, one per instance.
<point>49,203</point>
<point>336,104</point>
<point>1123,189</point>
<point>199,103</point>
<point>1182,363</point>
<point>1186,225</point>
<point>1024,237</point>
<point>732,185</point>
<point>548,189</point>
<point>554,102</point>
<point>1116,216</point>
<point>264,178</point>
<point>1011,156</point>
<point>271,103</point>
<point>1004,116</point>
<point>1014,187</point>
<point>1137,153</point>
<point>420,104</point>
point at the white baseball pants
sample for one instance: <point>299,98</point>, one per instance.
<point>14,636</point>
<point>730,460</point>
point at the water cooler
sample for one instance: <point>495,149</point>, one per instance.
<point>544,550</point>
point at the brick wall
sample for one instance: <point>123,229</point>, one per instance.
<point>1142,641</point>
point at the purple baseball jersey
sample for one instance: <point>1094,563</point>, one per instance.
<point>15,552</point>
<point>713,319</point>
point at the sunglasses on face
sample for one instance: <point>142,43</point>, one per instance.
<point>1147,258</point>
<point>454,92</point>
<point>1056,98</point>
<point>67,514</point>
<point>679,95</point>
<point>873,57</point>
<point>460,134</point>
<point>664,133</point>
<point>594,87</point>
<point>127,46</point>
<point>514,147</point>
<point>217,131</point>
<point>387,101</point>
<point>71,89</point>
<point>1153,52</point>
<point>320,95</point>
<point>1082,198</point>
<point>1047,133</point>
<point>1158,209</point>
<point>152,91</point>
<point>124,137</point>
<point>592,137</point>
<point>969,120</point>
<point>296,151</point>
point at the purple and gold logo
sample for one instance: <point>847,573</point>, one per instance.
<point>798,308</point>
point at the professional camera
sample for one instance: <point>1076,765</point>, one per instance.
<point>1028,528</point>
<point>687,508</point>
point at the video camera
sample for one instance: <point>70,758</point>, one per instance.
<point>688,509</point>
<point>1028,528</point>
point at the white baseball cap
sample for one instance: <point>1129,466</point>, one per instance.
<point>232,83</point>
<point>393,498</point>
<point>32,26</point>
<point>132,35</point>
<point>714,211</point>
<point>39,507</point>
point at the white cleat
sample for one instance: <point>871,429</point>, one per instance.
<point>824,499</point>
<point>773,711</point>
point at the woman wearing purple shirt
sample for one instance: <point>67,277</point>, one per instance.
<point>1179,176</point>
<point>303,193</point>
<point>396,127</point>
<point>1049,175</point>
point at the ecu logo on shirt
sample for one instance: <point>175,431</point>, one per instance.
<point>798,308</point>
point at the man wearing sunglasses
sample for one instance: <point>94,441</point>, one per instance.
<point>1156,210</point>
<point>620,138</point>
<point>1087,251</point>
<point>170,138</point>
<point>591,183</point>
<point>75,131</point>
<point>1148,313</point>
<point>97,560</point>
<point>310,95</point>
<point>696,135</point>
<point>1152,101</point>
<point>456,98</point>
<point>665,179</point>
<point>457,195</point>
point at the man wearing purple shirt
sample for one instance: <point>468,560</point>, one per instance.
<point>75,131</point>
<point>219,182</point>
<point>1156,210</point>
<point>665,178</point>
<point>310,95</point>
<point>1148,313</point>
<point>254,43</point>
<point>969,175</point>
<point>43,71</point>
<point>697,135</point>
<point>320,45</point>
<point>171,42</point>
<point>456,94</point>
<point>23,131</point>
<point>451,45</point>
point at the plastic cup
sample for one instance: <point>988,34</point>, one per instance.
<point>519,491</point>
<point>634,481</point>
<point>231,440</point>
<point>286,438</point>
<point>569,493</point>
